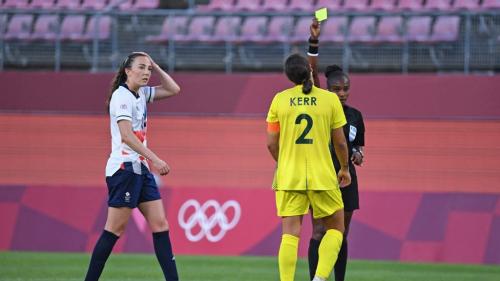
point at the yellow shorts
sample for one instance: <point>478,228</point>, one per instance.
<point>295,203</point>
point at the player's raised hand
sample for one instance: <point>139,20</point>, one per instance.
<point>315,29</point>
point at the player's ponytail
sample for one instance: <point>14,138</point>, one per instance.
<point>298,71</point>
<point>121,76</point>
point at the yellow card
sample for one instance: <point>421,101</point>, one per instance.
<point>321,14</point>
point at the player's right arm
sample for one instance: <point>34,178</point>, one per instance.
<point>273,130</point>
<point>312,54</point>
<point>130,139</point>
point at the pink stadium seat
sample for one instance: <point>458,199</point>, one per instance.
<point>15,4</point>
<point>389,30</point>
<point>418,28</point>
<point>362,29</point>
<point>355,5</point>
<point>103,25</point>
<point>383,5</point>
<point>200,29</point>
<point>442,5</point>
<point>146,4</point>
<point>445,29</point>
<point>334,29</point>
<point>172,27</point>
<point>301,5</point>
<point>45,28</point>
<point>466,5</point>
<point>42,4</point>
<point>72,27</point>
<point>68,4</point>
<point>94,4</point>
<point>225,30</point>
<point>275,5</point>
<point>279,29</point>
<point>332,5</point>
<point>125,6</point>
<point>19,27</point>
<point>247,5</point>
<point>253,29</point>
<point>301,33</point>
<point>221,5</point>
<point>413,5</point>
<point>490,4</point>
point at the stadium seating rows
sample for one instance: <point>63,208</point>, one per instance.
<point>348,5</point>
<point>77,5</point>
<point>281,29</point>
<point>251,29</point>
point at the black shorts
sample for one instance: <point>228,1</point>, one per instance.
<point>350,195</point>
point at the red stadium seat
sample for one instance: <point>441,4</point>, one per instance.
<point>68,4</point>
<point>124,6</point>
<point>253,29</point>
<point>172,27</point>
<point>275,5</point>
<point>225,30</point>
<point>19,28</point>
<point>247,5</point>
<point>301,32</point>
<point>200,29</point>
<point>418,29</point>
<point>15,4</point>
<point>389,30</point>
<point>471,5</point>
<point>94,4</point>
<point>42,4</point>
<point>218,5</point>
<point>383,5</point>
<point>103,25</point>
<point>332,5</point>
<point>334,29</point>
<point>445,29</point>
<point>72,27</point>
<point>146,4</point>
<point>362,29</point>
<point>301,5</point>
<point>45,28</point>
<point>279,29</point>
<point>442,5</point>
<point>413,5</point>
<point>490,4</point>
<point>355,5</point>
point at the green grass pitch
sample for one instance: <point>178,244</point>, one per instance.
<point>29,266</point>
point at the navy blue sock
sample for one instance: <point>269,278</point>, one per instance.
<point>341,264</point>
<point>163,250</point>
<point>313,256</point>
<point>100,255</point>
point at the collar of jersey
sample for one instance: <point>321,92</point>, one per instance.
<point>136,95</point>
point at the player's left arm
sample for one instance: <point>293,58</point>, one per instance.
<point>273,139</point>
<point>168,86</point>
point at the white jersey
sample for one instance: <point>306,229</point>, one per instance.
<point>124,105</point>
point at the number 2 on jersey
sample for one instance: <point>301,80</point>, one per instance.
<point>302,138</point>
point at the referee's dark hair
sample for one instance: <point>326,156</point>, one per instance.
<point>334,73</point>
<point>121,76</point>
<point>298,71</point>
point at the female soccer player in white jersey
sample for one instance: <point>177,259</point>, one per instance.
<point>130,182</point>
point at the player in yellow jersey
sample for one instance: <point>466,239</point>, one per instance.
<point>302,122</point>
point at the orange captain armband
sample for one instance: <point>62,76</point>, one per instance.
<point>273,127</point>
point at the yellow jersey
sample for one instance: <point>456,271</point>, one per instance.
<point>306,123</point>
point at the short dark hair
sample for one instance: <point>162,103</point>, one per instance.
<point>333,73</point>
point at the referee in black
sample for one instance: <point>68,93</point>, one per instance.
<point>339,83</point>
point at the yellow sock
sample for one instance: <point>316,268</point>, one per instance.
<point>287,257</point>
<point>328,251</point>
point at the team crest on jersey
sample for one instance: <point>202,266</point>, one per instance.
<point>352,133</point>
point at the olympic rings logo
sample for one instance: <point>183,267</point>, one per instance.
<point>206,224</point>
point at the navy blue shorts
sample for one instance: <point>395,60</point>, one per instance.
<point>127,189</point>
